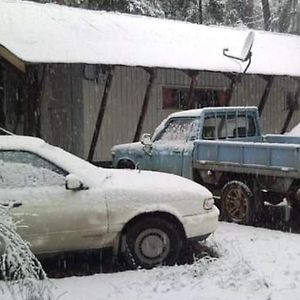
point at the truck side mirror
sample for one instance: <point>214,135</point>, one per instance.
<point>146,139</point>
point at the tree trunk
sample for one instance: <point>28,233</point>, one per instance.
<point>249,13</point>
<point>295,17</point>
<point>266,13</point>
<point>200,21</point>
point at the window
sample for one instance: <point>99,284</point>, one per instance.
<point>25,169</point>
<point>178,98</point>
<point>231,125</point>
<point>179,129</point>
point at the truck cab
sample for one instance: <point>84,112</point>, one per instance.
<point>171,147</point>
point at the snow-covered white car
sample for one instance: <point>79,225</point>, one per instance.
<point>63,203</point>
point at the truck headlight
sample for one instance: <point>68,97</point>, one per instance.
<point>208,203</point>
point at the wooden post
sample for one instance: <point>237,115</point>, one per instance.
<point>152,73</point>
<point>291,110</point>
<point>264,98</point>
<point>193,75</point>
<point>2,114</point>
<point>101,112</point>
<point>33,93</point>
<point>233,80</point>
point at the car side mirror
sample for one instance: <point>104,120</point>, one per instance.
<point>73,183</point>
<point>146,139</point>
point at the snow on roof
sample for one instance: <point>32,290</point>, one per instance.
<point>49,33</point>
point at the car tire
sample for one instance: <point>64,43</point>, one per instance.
<point>237,203</point>
<point>151,242</point>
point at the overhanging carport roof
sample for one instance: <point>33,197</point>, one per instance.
<point>49,33</point>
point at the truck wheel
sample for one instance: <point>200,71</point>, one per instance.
<point>151,242</point>
<point>237,203</point>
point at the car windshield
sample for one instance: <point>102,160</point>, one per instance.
<point>179,129</point>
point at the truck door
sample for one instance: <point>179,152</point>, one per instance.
<point>172,143</point>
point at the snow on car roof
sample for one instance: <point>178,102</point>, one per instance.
<point>56,155</point>
<point>49,33</point>
<point>20,142</point>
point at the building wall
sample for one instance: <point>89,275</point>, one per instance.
<point>128,89</point>
<point>12,99</point>
<point>249,92</point>
<point>70,104</point>
<point>125,103</point>
<point>62,107</point>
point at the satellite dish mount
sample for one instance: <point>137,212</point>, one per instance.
<point>246,53</point>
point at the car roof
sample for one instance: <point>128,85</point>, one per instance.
<point>20,142</point>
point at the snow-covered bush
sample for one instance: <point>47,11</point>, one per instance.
<point>21,273</point>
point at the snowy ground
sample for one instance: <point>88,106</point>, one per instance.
<point>255,263</point>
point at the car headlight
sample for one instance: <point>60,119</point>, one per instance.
<point>208,203</point>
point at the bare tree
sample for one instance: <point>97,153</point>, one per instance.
<point>295,17</point>
<point>266,14</point>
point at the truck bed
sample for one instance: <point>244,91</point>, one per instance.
<point>271,155</point>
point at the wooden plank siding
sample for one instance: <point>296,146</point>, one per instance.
<point>62,107</point>
<point>128,90</point>
<point>70,103</point>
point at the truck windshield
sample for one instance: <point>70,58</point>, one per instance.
<point>179,129</point>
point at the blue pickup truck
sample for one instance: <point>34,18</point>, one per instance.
<point>223,149</point>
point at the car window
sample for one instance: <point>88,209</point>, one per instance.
<point>178,129</point>
<point>25,169</point>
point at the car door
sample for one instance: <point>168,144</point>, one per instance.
<point>50,217</point>
<point>172,143</point>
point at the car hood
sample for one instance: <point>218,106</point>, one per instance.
<point>128,147</point>
<point>150,182</point>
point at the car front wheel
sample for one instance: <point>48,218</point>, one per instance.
<point>151,242</point>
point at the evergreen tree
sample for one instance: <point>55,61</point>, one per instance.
<point>214,12</point>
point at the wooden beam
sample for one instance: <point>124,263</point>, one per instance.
<point>193,75</point>
<point>33,86</point>
<point>291,111</point>
<point>265,96</point>
<point>287,120</point>
<point>2,113</point>
<point>11,58</point>
<point>152,73</point>
<point>101,112</point>
<point>234,78</point>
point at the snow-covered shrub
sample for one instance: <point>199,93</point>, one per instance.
<point>21,273</point>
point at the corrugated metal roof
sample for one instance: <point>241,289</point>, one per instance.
<point>49,33</point>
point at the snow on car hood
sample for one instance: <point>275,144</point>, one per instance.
<point>155,182</point>
<point>128,146</point>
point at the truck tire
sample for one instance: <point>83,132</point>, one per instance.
<point>125,164</point>
<point>151,242</point>
<point>237,203</point>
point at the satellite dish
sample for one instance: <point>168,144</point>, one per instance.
<point>246,50</point>
<point>245,53</point>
